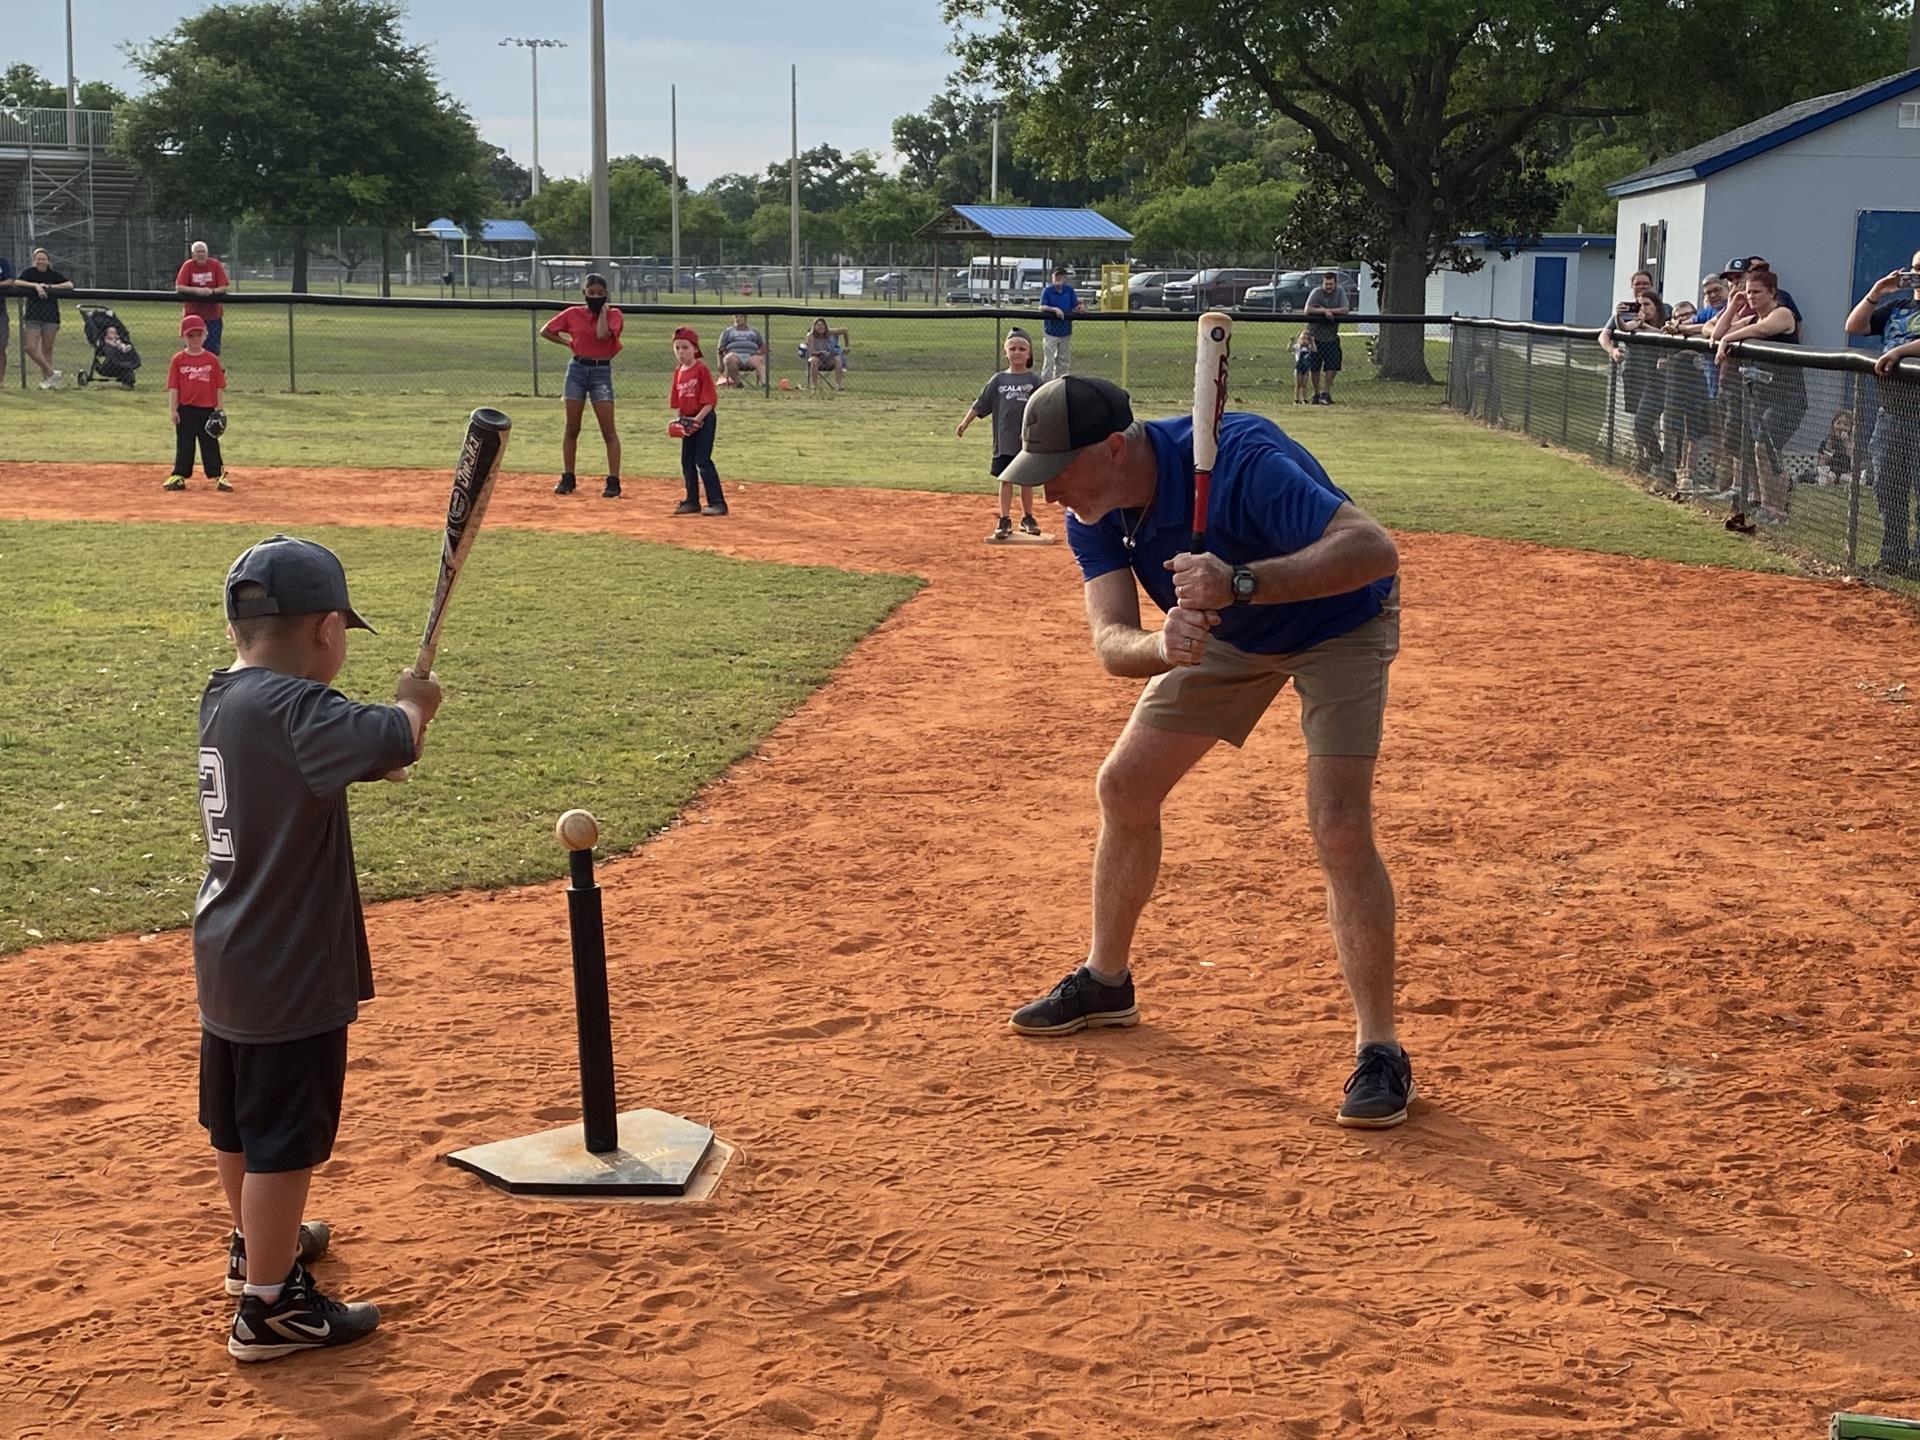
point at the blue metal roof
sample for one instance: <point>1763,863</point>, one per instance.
<point>492,232</point>
<point>1480,240</point>
<point>1021,222</point>
<point>1764,134</point>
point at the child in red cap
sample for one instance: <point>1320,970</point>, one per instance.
<point>694,396</point>
<point>196,384</point>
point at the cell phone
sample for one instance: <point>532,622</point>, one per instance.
<point>1910,279</point>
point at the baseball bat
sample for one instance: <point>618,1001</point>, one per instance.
<point>1210,350</point>
<point>473,478</point>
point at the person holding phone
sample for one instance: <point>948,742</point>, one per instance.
<point>1639,388</point>
<point>1891,310</point>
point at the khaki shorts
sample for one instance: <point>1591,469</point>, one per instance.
<point>1342,684</point>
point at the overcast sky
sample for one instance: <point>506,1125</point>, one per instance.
<point>861,64</point>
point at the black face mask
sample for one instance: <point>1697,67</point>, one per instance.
<point>595,302</point>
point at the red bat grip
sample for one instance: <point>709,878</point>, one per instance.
<point>1202,482</point>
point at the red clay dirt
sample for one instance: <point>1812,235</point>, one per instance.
<point>1654,834</point>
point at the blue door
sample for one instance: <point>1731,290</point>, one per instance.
<point>1883,240</point>
<point>1549,289</point>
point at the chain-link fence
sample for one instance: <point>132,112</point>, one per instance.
<point>493,349</point>
<point>1810,449</point>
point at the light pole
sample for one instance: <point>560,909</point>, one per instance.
<point>533,47</point>
<point>993,185</point>
<point>602,206</point>
<point>73,87</point>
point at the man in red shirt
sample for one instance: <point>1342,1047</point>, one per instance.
<point>196,384</point>
<point>202,279</point>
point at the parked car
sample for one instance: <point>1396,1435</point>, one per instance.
<point>890,286</point>
<point>1147,290</point>
<point>1211,289</point>
<point>1284,292</point>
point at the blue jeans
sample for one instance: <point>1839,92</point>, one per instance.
<point>213,334</point>
<point>589,381</point>
<point>696,464</point>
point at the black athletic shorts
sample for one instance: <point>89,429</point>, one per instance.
<point>1000,463</point>
<point>279,1105</point>
<point>1326,356</point>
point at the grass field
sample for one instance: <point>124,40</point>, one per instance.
<point>560,690</point>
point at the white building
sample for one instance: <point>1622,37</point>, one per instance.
<point>1828,190</point>
<point>1557,280</point>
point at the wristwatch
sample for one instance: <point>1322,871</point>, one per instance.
<point>1245,582</point>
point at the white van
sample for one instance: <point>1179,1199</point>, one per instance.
<point>1016,279</point>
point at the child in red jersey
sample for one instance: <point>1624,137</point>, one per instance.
<point>591,330</point>
<point>694,396</point>
<point>195,386</point>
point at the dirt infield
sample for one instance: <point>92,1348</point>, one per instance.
<point>1655,837</point>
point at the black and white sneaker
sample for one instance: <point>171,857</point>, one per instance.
<point>301,1319</point>
<point>1029,525</point>
<point>1004,530</point>
<point>1379,1089</point>
<point>566,485</point>
<point>315,1235</point>
<point>1078,1002</point>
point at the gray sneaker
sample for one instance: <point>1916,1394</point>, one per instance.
<point>1078,1002</point>
<point>1379,1089</point>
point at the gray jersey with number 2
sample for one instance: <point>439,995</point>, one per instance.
<point>279,943</point>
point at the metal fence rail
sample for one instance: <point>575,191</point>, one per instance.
<point>1809,449</point>
<point>899,355</point>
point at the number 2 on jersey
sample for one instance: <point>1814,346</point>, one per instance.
<point>213,804</point>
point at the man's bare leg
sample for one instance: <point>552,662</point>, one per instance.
<point>1360,905</point>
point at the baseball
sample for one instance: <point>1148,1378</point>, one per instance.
<point>577,830</point>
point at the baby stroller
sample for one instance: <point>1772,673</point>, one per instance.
<point>114,357</point>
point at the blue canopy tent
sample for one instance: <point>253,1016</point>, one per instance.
<point>493,233</point>
<point>993,226</point>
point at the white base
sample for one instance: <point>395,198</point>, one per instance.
<point>1020,537</point>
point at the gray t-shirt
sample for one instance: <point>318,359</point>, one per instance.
<point>738,340</point>
<point>1004,397</point>
<point>1328,327</point>
<point>279,943</point>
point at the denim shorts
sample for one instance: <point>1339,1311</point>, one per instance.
<point>589,382</point>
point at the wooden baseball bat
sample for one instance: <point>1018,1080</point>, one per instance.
<point>1210,350</point>
<point>473,479</point>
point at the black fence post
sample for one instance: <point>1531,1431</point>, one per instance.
<point>1526,390</point>
<point>1613,378</point>
<point>533,339</point>
<point>293,376</point>
<point>1861,385</point>
<point>766,335</point>
<point>1566,388</point>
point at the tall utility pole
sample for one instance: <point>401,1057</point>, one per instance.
<point>793,188</point>
<point>993,192</point>
<point>73,89</point>
<point>1913,41</point>
<point>673,112</point>
<point>533,49</point>
<point>602,218</point>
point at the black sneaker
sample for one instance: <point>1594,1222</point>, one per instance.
<point>1029,525</point>
<point>314,1238</point>
<point>565,487</point>
<point>1004,530</point>
<point>1078,1002</point>
<point>611,490</point>
<point>301,1319</point>
<point>687,507</point>
<point>1379,1089</point>
<point>719,509</point>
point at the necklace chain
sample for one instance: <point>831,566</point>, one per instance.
<point>1141,518</point>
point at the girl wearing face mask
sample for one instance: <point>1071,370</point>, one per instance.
<point>591,330</point>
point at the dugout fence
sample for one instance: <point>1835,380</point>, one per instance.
<point>1811,449</point>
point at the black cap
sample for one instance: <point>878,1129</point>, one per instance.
<point>300,578</point>
<point>1738,265</point>
<point>1062,418</point>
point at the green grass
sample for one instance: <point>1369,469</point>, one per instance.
<point>558,695</point>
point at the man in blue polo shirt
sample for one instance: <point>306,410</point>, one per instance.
<point>1297,584</point>
<point>1056,346</point>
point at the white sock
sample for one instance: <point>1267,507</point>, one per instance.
<point>268,1293</point>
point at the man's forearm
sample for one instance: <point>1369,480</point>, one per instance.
<point>1333,565</point>
<point>1129,651</point>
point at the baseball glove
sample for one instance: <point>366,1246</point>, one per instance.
<point>217,424</point>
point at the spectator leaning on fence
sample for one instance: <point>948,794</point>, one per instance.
<point>1060,305</point>
<point>1891,310</point>
<point>1775,396</point>
<point>1684,420</point>
<point>1639,375</point>
<point>1324,308</point>
<point>742,348</point>
<point>201,282</point>
<point>40,316</point>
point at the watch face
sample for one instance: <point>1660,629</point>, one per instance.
<point>1243,582</point>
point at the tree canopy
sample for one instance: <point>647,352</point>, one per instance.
<point>23,86</point>
<point>302,113</point>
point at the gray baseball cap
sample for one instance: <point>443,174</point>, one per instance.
<point>300,578</point>
<point>1062,418</point>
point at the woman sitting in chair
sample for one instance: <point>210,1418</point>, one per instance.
<point>826,354</point>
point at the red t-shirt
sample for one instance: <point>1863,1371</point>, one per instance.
<point>209,272</point>
<point>580,322</point>
<point>198,378</point>
<point>693,388</point>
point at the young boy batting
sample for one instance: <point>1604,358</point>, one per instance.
<point>279,944</point>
